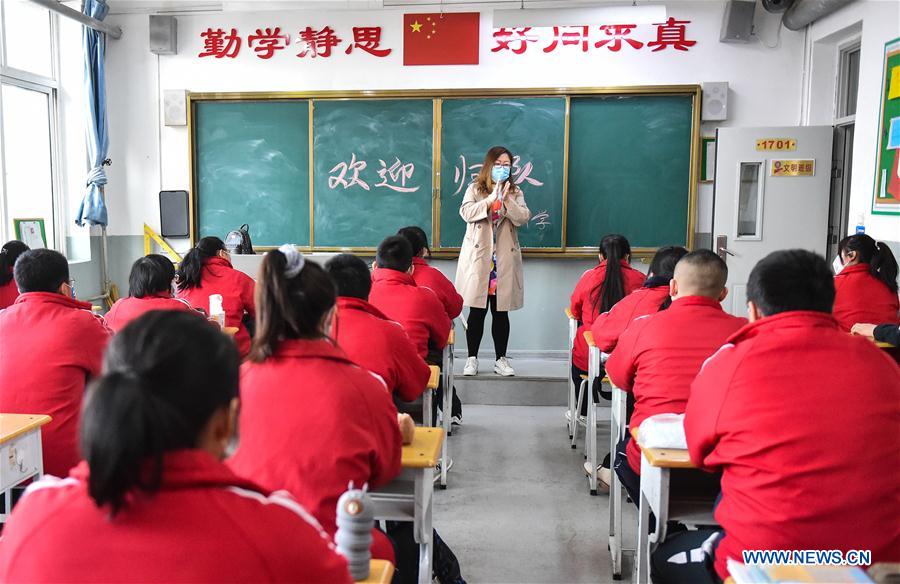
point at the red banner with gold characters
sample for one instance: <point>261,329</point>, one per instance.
<point>445,39</point>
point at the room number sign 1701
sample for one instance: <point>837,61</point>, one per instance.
<point>770,144</point>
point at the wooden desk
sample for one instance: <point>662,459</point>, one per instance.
<point>569,314</point>
<point>589,337</point>
<point>590,439</point>
<point>428,395</point>
<point>21,455</point>
<point>409,496</point>
<point>380,572</point>
<point>435,377</point>
<point>656,468</point>
<point>451,340</point>
<point>883,345</point>
<point>230,330</point>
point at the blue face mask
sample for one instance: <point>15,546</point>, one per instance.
<point>500,173</point>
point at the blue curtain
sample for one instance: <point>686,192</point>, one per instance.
<point>93,210</point>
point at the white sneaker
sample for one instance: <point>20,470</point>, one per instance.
<point>471,366</point>
<point>604,476</point>
<point>502,367</point>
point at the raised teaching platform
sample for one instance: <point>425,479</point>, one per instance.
<point>335,171</point>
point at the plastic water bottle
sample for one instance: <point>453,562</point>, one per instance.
<point>860,224</point>
<point>216,311</point>
<point>355,518</point>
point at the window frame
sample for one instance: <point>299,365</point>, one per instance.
<point>842,77</point>
<point>50,87</point>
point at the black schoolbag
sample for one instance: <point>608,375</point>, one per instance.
<point>238,242</point>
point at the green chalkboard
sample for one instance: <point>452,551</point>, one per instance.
<point>372,169</point>
<point>251,162</point>
<point>533,128</point>
<point>629,169</point>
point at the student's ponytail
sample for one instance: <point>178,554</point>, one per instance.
<point>165,375</point>
<point>9,253</point>
<point>191,270</point>
<point>614,249</point>
<point>881,261</point>
<point>292,297</point>
<point>884,266</point>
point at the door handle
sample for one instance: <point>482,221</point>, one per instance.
<point>721,250</point>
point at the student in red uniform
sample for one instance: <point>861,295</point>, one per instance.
<point>394,292</point>
<point>50,346</point>
<point>803,421</point>
<point>152,502</point>
<point>369,338</point>
<point>659,355</point>
<point>598,290</point>
<point>149,288</point>
<point>648,299</point>
<point>866,283</point>
<point>9,253</point>
<point>207,270</point>
<point>311,420</point>
<point>427,277</point>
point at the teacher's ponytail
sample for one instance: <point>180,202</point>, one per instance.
<point>614,248</point>
<point>165,375</point>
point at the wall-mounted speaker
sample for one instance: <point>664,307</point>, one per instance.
<point>175,107</point>
<point>737,24</point>
<point>715,101</point>
<point>173,214</point>
<point>163,35</point>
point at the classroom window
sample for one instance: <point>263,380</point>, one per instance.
<point>848,81</point>
<point>749,201</point>
<point>27,34</point>
<point>27,160</point>
<point>43,154</point>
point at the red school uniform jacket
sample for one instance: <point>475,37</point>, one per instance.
<point>584,311</point>
<point>128,309</point>
<point>50,346</point>
<point>204,525</point>
<point>609,326</point>
<point>861,297</point>
<point>375,343</point>
<point>418,310</point>
<point>236,288</point>
<point>312,421</point>
<point>659,355</point>
<point>803,420</point>
<point>8,294</point>
<point>426,276</point>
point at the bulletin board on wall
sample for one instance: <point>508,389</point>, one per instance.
<point>886,199</point>
<point>333,171</point>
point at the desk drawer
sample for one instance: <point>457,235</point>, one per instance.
<point>19,458</point>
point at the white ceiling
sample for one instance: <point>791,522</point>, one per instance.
<point>194,6</point>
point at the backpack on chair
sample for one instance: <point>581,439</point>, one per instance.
<point>238,242</point>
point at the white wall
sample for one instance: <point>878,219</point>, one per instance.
<point>765,83</point>
<point>877,22</point>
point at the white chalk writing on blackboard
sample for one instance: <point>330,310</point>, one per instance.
<point>393,177</point>
<point>520,173</point>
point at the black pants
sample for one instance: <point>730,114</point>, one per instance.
<point>444,563</point>
<point>687,556</point>
<point>597,388</point>
<point>436,357</point>
<point>499,328</point>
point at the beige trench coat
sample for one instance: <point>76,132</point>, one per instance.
<point>474,268</point>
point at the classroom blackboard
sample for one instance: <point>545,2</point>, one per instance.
<point>533,128</point>
<point>372,169</point>
<point>251,166</point>
<point>629,169</point>
<point>589,161</point>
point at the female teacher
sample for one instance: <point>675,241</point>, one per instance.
<point>489,272</point>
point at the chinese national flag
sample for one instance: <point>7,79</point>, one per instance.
<point>441,39</point>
